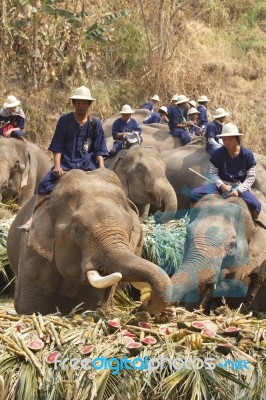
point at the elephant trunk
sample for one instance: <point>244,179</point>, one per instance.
<point>136,269</point>
<point>164,191</point>
<point>193,276</point>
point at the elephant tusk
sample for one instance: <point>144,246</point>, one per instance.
<point>140,285</point>
<point>102,282</point>
<point>145,297</point>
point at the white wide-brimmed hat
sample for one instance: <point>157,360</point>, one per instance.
<point>11,101</point>
<point>220,112</point>
<point>192,103</point>
<point>126,109</point>
<point>155,97</point>
<point>182,99</point>
<point>230,130</point>
<point>203,99</point>
<point>82,93</point>
<point>175,97</point>
<point>193,110</point>
<point>164,109</point>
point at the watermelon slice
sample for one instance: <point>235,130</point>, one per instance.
<point>149,340</point>
<point>35,345</point>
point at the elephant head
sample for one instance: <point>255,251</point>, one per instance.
<point>142,174</point>
<point>216,247</point>
<point>89,230</point>
<point>22,165</point>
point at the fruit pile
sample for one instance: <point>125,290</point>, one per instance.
<point>33,342</point>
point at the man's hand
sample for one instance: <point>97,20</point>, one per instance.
<point>233,193</point>
<point>57,172</point>
<point>225,188</point>
<point>8,132</point>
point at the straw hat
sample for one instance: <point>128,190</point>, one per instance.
<point>193,111</point>
<point>175,97</point>
<point>182,99</point>
<point>230,130</point>
<point>82,93</point>
<point>203,99</point>
<point>192,103</point>
<point>126,109</point>
<point>155,97</point>
<point>220,112</point>
<point>164,109</point>
<point>11,101</point>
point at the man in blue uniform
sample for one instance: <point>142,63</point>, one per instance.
<point>177,122</point>
<point>152,104</point>
<point>202,108</point>
<point>232,171</point>
<point>121,126</point>
<point>78,143</point>
<point>214,129</point>
<point>12,118</point>
<point>157,117</point>
<point>194,129</point>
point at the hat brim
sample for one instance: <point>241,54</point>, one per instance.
<point>221,116</point>
<point>203,101</point>
<point>127,112</point>
<point>8,105</point>
<point>183,101</point>
<point>229,134</point>
<point>77,97</point>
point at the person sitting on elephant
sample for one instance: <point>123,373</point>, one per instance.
<point>232,171</point>
<point>214,129</point>
<point>153,103</point>
<point>177,122</point>
<point>121,126</point>
<point>157,117</point>
<point>202,108</point>
<point>12,118</point>
<point>194,130</point>
<point>78,143</point>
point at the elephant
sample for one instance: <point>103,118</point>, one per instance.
<point>23,164</point>
<point>223,255</point>
<point>139,116</point>
<point>85,236</point>
<point>159,138</point>
<point>194,156</point>
<point>142,173</point>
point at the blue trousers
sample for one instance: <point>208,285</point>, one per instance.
<point>182,134</point>
<point>117,146</point>
<point>252,203</point>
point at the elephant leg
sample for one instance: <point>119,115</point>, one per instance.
<point>256,281</point>
<point>32,298</point>
<point>205,300</point>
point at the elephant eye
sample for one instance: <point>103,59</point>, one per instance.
<point>232,247</point>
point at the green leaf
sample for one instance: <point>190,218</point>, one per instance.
<point>21,23</point>
<point>64,13</point>
<point>47,9</point>
<point>110,18</point>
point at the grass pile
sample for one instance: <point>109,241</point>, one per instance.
<point>28,345</point>
<point>164,243</point>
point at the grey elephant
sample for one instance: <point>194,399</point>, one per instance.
<point>142,173</point>
<point>223,255</point>
<point>85,236</point>
<point>178,163</point>
<point>23,164</point>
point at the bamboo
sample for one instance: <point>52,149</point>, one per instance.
<point>32,357</point>
<point>37,326</point>
<point>57,340</point>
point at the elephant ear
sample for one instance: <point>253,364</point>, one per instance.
<point>41,235</point>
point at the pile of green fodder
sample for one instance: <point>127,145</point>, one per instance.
<point>164,243</point>
<point>79,356</point>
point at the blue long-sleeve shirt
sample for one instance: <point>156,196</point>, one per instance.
<point>120,126</point>
<point>153,118</point>
<point>175,117</point>
<point>202,117</point>
<point>148,106</point>
<point>70,139</point>
<point>213,129</point>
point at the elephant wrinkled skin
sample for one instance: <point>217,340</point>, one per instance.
<point>223,247</point>
<point>142,173</point>
<point>22,166</point>
<point>86,227</point>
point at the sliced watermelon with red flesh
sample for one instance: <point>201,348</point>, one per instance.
<point>51,357</point>
<point>87,349</point>
<point>208,332</point>
<point>144,325</point>
<point>134,348</point>
<point>149,340</point>
<point>198,325</point>
<point>36,344</point>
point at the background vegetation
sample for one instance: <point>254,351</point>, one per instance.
<point>126,51</point>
